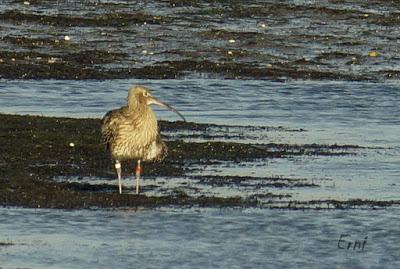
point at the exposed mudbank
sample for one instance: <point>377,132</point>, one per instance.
<point>217,39</point>
<point>39,168</point>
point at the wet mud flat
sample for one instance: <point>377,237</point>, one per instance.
<point>72,39</point>
<point>40,168</point>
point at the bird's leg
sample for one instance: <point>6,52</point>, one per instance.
<point>118,169</point>
<point>137,172</point>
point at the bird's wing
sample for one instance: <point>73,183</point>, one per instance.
<point>109,125</point>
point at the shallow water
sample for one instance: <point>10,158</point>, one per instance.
<point>332,112</point>
<point>198,238</point>
<point>296,112</point>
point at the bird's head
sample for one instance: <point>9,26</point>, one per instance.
<point>141,96</point>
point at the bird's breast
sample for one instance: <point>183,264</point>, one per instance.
<point>135,138</point>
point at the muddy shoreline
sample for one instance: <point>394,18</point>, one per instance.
<point>69,39</point>
<point>36,151</point>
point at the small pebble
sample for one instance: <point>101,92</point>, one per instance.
<point>230,52</point>
<point>231,40</point>
<point>373,54</point>
<point>144,51</point>
<point>71,144</point>
<point>67,38</point>
<point>27,3</point>
<point>52,60</point>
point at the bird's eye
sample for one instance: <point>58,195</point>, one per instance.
<point>146,94</point>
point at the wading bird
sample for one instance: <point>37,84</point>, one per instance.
<point>131,132</point>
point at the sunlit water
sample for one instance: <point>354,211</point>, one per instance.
<point>342,112</point>
<point>202,238</point>
<point>363,114</point>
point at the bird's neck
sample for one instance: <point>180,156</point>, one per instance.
<point>143,114</point>
<point>133,104</point>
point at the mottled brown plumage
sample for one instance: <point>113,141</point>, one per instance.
<point>131,132</point>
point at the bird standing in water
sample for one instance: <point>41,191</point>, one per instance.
<point>131,132</point>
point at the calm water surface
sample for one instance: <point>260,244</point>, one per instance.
<point>342,112</point>
<point>364,114</point>
<point>203,238</point>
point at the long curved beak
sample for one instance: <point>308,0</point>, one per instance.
<point>155,101</point>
